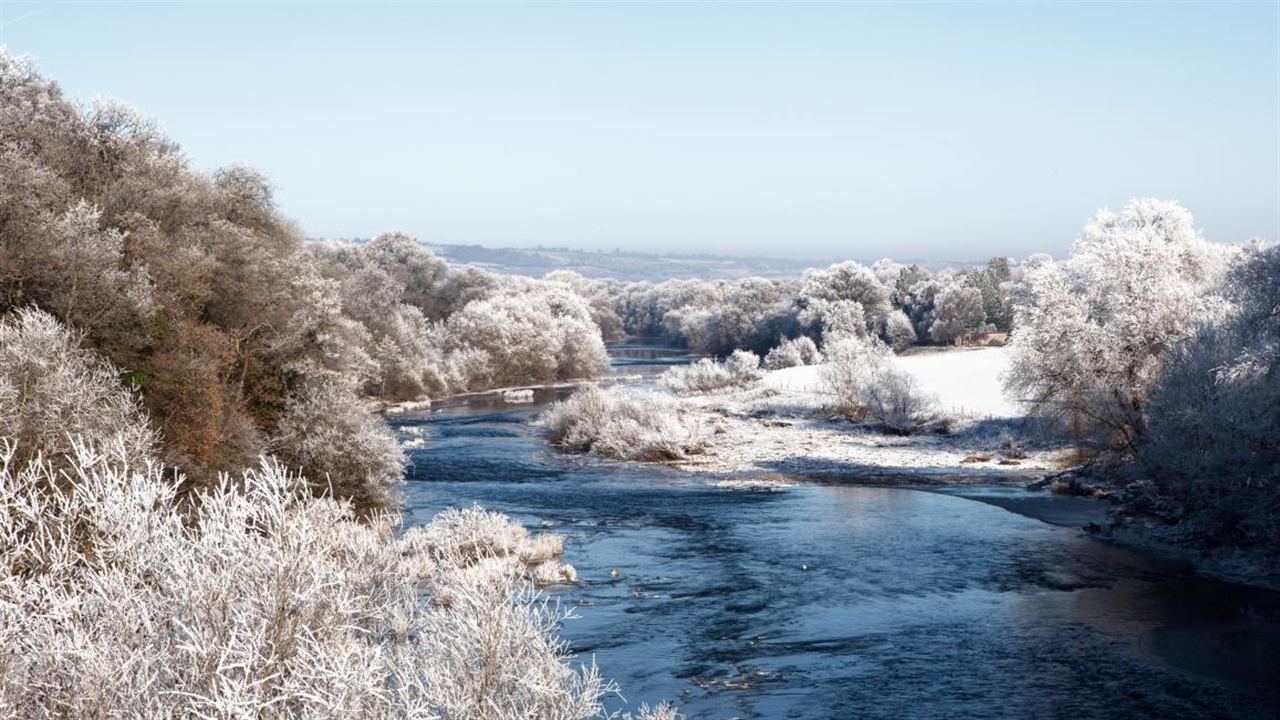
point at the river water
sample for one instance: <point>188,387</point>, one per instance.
<point>845,601</point>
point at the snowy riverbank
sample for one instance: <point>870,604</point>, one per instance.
<point>781,426</point>
<point>777,433</point>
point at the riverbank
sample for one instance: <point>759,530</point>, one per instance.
<point>779,433</point>
<point>782,425</point>
<point>1231,565</point>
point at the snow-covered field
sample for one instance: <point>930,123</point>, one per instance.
<point>780,427</point>
<point>966,382</point>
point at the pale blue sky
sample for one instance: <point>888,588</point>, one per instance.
<point>817,130</point>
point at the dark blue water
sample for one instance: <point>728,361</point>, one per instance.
<point>847,601</point>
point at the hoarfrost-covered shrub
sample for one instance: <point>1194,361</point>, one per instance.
<point>793,353</point>
<point>339,445</point>
<point>743,363</point>
<point>621,426</point>
<point>52,390</point>
<point>852,364</point>
<point>895,402</point>
<point>264,602</point>
<point>738,370</point>
<point>868,387</point>
<point>467,537</point>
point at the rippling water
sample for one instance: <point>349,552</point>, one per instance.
<point>845,601</point>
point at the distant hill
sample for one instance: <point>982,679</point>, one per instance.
<point>630,265</point>
<point>622,265</point>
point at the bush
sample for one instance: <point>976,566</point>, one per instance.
<point>265,602</point>
<point>869,388</point>
<point>705,376</point>
<point>793,353</point>
<point>52,390</point>
<point>344,450</point>
<point>621,426</point>
<point>895,402</point>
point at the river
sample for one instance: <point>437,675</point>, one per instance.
<point>846,601</point>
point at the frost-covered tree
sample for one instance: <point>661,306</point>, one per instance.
<point>1092,334</point>
<point>834,319</point>
<point>956,309</point>
<point>1212,447</point>
<point>913,293</point>
<point>895,329</point>
<point>320,331</point>
<point>599,296</point>
<point>1035,261</point>
<point>542,335</point>
<point>887,272</point>
<point>848,281</point>
<point>415,269</point>
<point>83,273</point>
<point>994,282</point>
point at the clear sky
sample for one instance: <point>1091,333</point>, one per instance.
<point>863,130</point>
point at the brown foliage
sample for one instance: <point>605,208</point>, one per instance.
<point>187,394</point>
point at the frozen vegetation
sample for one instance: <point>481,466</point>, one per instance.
<point>740,369</point>
<point>1143,364</point>
<point>792,422</point>
<point>866,385</point>
<point>1208,464</point>
<point>263,601</point>
<point>239,338</point>
<point>622,425</point>
<point>250,597</point>
<point>198,511</point>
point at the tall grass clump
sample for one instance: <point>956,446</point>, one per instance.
<point>868,388</point>
<point>705,376</point>
<point>622,426</point>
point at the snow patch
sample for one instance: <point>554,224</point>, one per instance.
<point>966,382</point>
